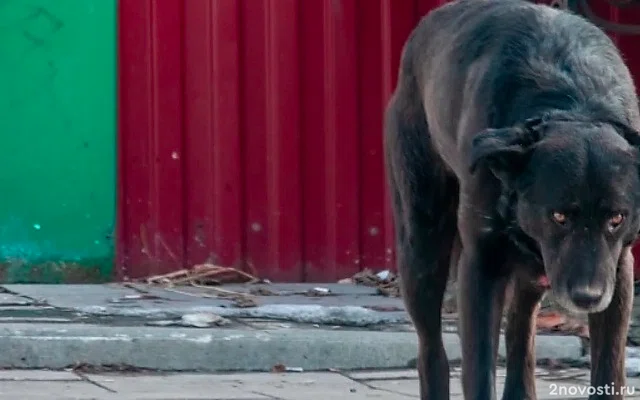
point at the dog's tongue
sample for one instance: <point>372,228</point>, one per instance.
<point>543,281</point>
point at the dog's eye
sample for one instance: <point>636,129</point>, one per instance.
<point>615,221</point>
<point>559,217</point>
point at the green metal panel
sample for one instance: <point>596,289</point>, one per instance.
<point>57,139</point>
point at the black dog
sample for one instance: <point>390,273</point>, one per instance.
<point>513,132</point>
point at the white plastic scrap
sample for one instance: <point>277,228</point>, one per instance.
<point>203,320</point>
<point>383,275</point>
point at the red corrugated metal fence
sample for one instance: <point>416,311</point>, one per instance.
<point>251,134</point>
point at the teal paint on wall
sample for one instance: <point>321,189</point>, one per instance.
<point>58,139</point>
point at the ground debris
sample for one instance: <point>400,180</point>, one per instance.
<point>209,277</point>
<point>318,292</point>
<point>262,291</point>
<point>385,281</point>
<point>550,319</point>
<point>203,274</point>
<point>134,297</point>
<point>203,320</point>
<point>194,320</point>
<point>94,369</point>
<point>244,302</point>
<point>281,368</point>
<point>553,321</point>
<point>384,308</point>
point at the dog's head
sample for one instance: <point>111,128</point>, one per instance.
<point>577,190</point>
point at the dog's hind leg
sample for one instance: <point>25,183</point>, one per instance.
<point>520,340</point>
<point>608,331</point>
<point>424,200</point>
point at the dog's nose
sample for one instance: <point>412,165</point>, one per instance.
<point>586,296</point>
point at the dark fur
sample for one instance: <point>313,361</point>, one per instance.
<point>505,112</point>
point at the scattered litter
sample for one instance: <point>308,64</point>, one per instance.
<point>93,369</point>
<point>550,320</point>
<point>383,275</point>
<point>383,308</point>
<point>195,320</point>
<point>346,281</point>
<point>135,297</point>
<point>449,328</point>
<point>385,281</point>
<point>207,276</point>
<point>203,320</point>
<point>262,291</point>
<point>318,292</point>
<point>203,274</point>
<point>576,327</point>
<point>244,302</point>
<point>163,323</point>
<point>280,368</point>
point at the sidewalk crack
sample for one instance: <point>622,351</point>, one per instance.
<point>266,395</point>
<point>89,380</point>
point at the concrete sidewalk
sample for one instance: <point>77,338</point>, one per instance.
<point>301,327</point>
<point>357,385</point>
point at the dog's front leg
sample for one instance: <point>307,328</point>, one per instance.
<point>480,301</point>
<point>520,340</point>
<point>608,330</point>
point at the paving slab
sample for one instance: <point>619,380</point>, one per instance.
<point>69,295</point>
<point>47,390</point>
<point>184,386</point>
<point>37,375</point>
<point>383,375</point>
<point>57,346</point>
<point>9,299</point>
<point>410,387</point>
<point>308,386</point>
<point>355,306</point>
<point>380,385</point>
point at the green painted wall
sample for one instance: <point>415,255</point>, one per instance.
<point>58,139</point>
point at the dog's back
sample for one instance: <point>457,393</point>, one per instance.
<point>513,56</point>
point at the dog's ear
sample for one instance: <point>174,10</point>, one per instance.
<point>631,135</point>
<point>505,151</point>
